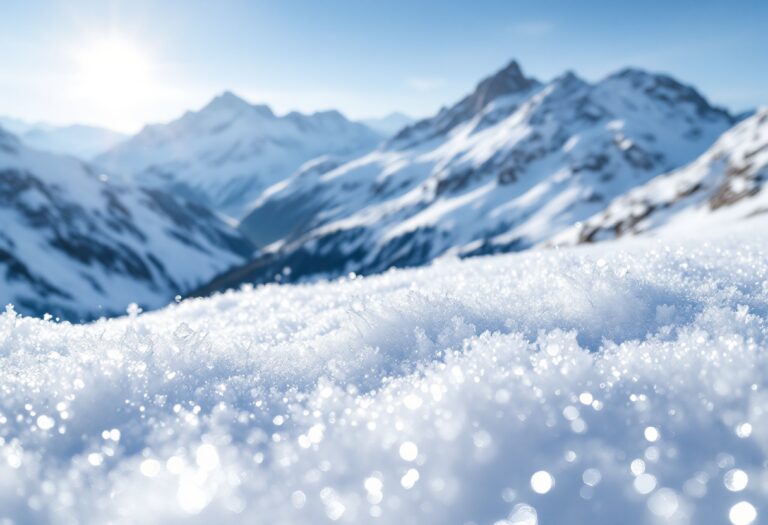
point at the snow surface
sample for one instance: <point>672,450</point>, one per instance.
<point>617,383</point>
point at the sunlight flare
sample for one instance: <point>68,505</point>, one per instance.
<point>114,74</point>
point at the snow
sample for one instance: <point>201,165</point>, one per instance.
<point>617,383</point>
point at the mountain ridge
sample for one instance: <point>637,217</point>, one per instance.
<point>79,140</point>
<point>389,124</point>
<point>247,146</point>
<point>508,166</point>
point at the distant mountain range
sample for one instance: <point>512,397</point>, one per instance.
<point>81,141</point>
<point>226,154</point>
<point>79,245</point>
<point>389,124</point>
<point>517,163</point>
<point>508,167</point>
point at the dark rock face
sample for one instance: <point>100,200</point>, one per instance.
<point>16,270</point>
<point>731,172</point>
<point>740,182</point>
<point>507,81</point>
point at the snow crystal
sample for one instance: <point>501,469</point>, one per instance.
<point>542,482</point>
<point>742,513</point>
<point>651,434</point>
<point>617,383</point>
<point>45,422</point>
<point>409,451</point>
<point>645,483</point>
<point>663,503</point>
<point>736,480</point>
<point>150,467</point>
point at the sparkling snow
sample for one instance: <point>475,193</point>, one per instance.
<point>621,383</point>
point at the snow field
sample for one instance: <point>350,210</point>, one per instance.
<point>624,382</point>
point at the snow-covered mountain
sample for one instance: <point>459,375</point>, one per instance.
<point>19,127</point>
<point>81,141</point>
<point>75,244</point>
<point>722,185</point>
<point>84,142</point>
<point>507,167</point>
<point>390,124</point>
<point>227,153</point>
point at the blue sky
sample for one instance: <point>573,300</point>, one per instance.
<point>364,57</point>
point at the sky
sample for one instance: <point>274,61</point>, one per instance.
<point>122,64</point>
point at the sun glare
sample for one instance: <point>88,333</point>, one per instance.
<point>114,74</point>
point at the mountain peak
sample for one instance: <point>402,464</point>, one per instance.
<point>227,101</point>
<point>509,80</point>
<point>330,114</point>
<point>506,81</point>
<point>569,79</point>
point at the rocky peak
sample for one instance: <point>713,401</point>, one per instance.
<point>506,81</point>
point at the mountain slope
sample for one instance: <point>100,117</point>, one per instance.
<point>77,245</point>
<point>507,167</point>
<point>83,142</point>
<point>228,152</point>
<point>723,184</point>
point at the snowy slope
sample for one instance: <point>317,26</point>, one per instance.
<point>508,166</point>
<point>81,141</point>
<point>75,244</point>
<point>225,154</point>
<point>616,383</point>
<point>722,185</point>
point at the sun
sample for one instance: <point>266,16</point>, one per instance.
<point>114,74</point>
